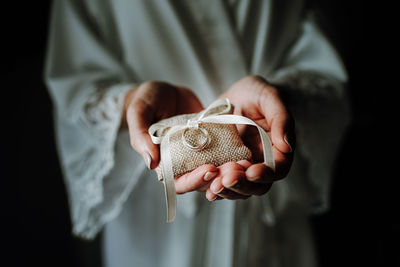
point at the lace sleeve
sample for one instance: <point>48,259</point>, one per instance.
<point>103,110</point>
<point>90,159</point>
<point>87,87</point>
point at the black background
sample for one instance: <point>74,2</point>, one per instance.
<point>361,229</point>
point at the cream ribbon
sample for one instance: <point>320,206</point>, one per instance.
<point>205,116</point>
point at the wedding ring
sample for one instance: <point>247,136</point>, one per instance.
<point>202,145</point>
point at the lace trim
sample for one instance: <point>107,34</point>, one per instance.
<point>101,116</point>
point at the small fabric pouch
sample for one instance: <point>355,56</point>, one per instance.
<point>191,140</point>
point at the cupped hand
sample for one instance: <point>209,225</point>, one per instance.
<point>255,98</point>
<point>153,101</point>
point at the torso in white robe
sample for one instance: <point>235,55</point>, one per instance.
<point>100,49</point>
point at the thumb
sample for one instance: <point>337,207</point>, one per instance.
<point>139,117</point>
<point>282,133</point>
<point>280,121</point>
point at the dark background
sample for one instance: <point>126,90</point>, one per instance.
<point>361,228</point>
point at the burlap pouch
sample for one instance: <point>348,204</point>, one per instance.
<point>191,140</point>
<point>225,145</point>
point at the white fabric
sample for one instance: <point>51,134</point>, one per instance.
<point>97,50</point>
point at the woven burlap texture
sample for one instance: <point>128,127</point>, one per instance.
<point>225,146</point>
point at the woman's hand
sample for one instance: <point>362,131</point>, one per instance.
<point>254,98</point>
<point>154,101</point>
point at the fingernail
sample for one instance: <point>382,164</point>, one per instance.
<point>219,191</point>
<point>288,141</point>
<point>210,175</point>
<point>148,161</point>
<point>253,178</point>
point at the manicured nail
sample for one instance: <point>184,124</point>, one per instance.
<point>286,138</point>
<point>148,161</point>
<point>210,175</point>
<point>253,178</point>
<point>219,191</point>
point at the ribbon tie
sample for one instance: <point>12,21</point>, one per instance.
<point>161,132</point>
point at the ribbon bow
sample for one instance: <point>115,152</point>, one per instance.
<point>215,113</point>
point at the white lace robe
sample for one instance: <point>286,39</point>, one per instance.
<point>97,50</point>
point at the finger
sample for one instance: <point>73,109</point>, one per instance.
<point>283,163</point>
<point>195,179</point>
<point>204,187</point>
<point>234,179</point>
<point>247,188</point>
<point>218,189</point>
<point>210,195</point>
<point>244,163</point>
<point>280,121</point>
<point>231,195</point>
<point>282,133</point>
<point>216,186</point>
<point>230,174</point>
<point>139,117</point>
<point>260,173</point>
